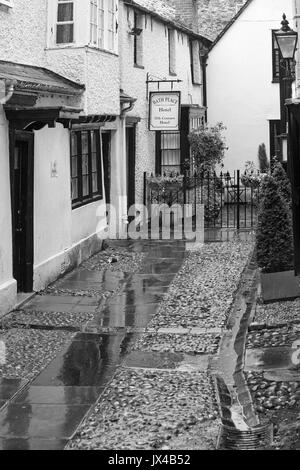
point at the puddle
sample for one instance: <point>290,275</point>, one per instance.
<point>84,279</point>
<point>45,414</point>
<point>40,421</point>
<point>90,360</point>
<point>32,444</point>
<point>116,316</point>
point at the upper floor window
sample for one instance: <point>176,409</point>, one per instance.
<point>138,40</point>
<point>195,62</point>
<point>172,51</point>
<point>65,22</point>
<point>103,24</point>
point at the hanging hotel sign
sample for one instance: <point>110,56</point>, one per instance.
<point>164,112</point>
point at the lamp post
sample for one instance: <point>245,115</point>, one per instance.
<point>287,40</point>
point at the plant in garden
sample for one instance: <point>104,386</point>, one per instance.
<point>166,187</point>
<point>252,177</point>
<point>283,182</point>
<point>274,235</point>
<point>207,147</point>
<point>263,159</point>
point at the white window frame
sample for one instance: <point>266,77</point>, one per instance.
<point>58,23</point>
<point>101,41</point>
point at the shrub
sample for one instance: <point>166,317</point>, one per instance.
<point>209,194</point>
<point>274,235</point>
<point>263,159</point>
<point>252,178</point>
<point>207,147</point>
<point>283,182</point>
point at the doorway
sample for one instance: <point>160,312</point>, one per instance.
<point>106,149</point>
<point>21,156</point>
<point>131,160</point>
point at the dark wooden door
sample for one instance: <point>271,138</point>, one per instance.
<point>22,208</point>
<point>106,149</point>
<point>131,159</point>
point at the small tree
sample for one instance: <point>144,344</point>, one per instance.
<point>207,147</point>
<point>263,159</point>
<point>283,182</point>
<point>274,235</point>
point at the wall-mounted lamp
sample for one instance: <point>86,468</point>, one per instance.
<point>135,31</point>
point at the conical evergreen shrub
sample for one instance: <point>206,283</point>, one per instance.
<point>281,178</point>
<point>263,159</point>
<point>274,235</point>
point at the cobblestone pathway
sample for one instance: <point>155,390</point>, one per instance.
<point>105,343</point>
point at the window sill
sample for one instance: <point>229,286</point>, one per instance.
<point>137,66</point>
<point>58,47</point>
<point>173,74</point>
<point>101,49</point>
<point>79,204</point>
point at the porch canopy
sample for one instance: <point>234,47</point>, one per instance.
<point>28,83</point>
<point>32,79</point>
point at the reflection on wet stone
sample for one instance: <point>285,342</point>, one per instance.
<point>41,421</point>
<point>46,413</point>
<point>32,444</point>
<point>87,362</point>
<point>58,395</point>
<point>9,387</point>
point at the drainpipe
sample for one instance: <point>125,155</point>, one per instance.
<point>204,65</point>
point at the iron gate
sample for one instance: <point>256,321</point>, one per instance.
<point>229,200</point>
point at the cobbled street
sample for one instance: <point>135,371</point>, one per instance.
<point>117,354</point>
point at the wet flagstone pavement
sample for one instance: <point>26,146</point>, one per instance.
<point>73,344</point>
<point>42,408</point>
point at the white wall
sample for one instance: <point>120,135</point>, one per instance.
<point>133,81</point>
<point>52,198</point>
<point>52,201</point>
<point>24,38</point>
<point>63,237</point>
<point>8,287</point>
<point>240,89</point>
